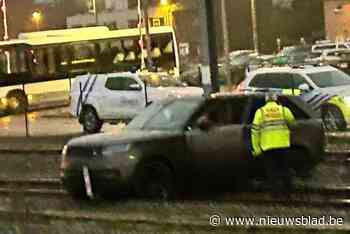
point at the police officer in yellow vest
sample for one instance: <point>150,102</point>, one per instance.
<point>270,136</point>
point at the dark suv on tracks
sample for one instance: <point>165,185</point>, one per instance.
<point>170,149</point>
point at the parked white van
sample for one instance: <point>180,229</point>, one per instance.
<point>99,98</point>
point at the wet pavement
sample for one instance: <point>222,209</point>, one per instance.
<point>53,122</point>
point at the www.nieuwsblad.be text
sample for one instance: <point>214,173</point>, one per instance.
<point>219,220</point>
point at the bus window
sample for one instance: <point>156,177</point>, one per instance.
<point>83,53</point>
<point>168,48</point>
<point>51,60</point>
<point>116,45</point>
<point>156,52</point>
<point>65,56</point>
<point>119,58</point>
<point>131,56</point>
<point>13,60</point>
<point>22,61</point>
<point>40,60</point>
<point>3,62</point>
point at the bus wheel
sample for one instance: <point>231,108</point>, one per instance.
<point>17,101</point>
<point>333,118</point>
<point>90,120</point>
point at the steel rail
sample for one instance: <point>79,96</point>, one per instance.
<point>305,196</point>
<point>201,223</point>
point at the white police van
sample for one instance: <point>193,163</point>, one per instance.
<point>99,98</point>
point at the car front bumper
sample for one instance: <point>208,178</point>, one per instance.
<point>102,181</point>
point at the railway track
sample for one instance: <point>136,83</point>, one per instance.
<point>330,155</point>
<point>114,222</point>
<point>313,197</point>
<point>32,187</point>
<point>52,187</point>
<point>41,183</point>
<point>300,196</point>
<point>59,207</point>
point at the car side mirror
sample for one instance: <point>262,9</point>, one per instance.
<point>304,87</point>
<point>204,123</point>
<point>135,87</point>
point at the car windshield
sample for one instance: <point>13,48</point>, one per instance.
<point>330,78</point>
<point>168,116</point>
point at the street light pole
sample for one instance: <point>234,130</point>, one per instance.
<point>4,10</point>
<point>226,43</point>
<point>209,64</point>
<point>139,25</point>
<point>254,26</point>
<point>148,37</point>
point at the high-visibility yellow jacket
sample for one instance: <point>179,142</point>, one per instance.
<point>270,128</point>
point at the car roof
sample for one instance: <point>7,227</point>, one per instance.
<point>128,74</point>
<point>221,95</point>
<point>329,43</point>
<point>305,107</point>
<point>288,69</point>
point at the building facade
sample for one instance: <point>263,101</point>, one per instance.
<point>337,19</point>
<point>122,14</point>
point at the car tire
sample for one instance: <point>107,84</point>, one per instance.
<point>17,101</point>
<point>333,118</point>
<point>90,120</point>
<point>75,187</point>
<point>155,181</point>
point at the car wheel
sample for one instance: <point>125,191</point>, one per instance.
<point>90,120</point>
<point>333,118</point>
<point>17,101</point>
<point>155,181</point>
<point>75,187</point>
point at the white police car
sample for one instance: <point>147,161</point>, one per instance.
<point>325,88</point>
<point>99,98</point>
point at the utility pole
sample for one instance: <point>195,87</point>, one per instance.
<point>139,25</point>
<point>209,68</point>
<point>254,26</point>
<point>226,43</point>
<point>4,11</point>
<point>148,37</point>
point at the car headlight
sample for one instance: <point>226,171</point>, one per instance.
<point>64,150</point>
<point>3,101</point>
<point>64,162</point>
